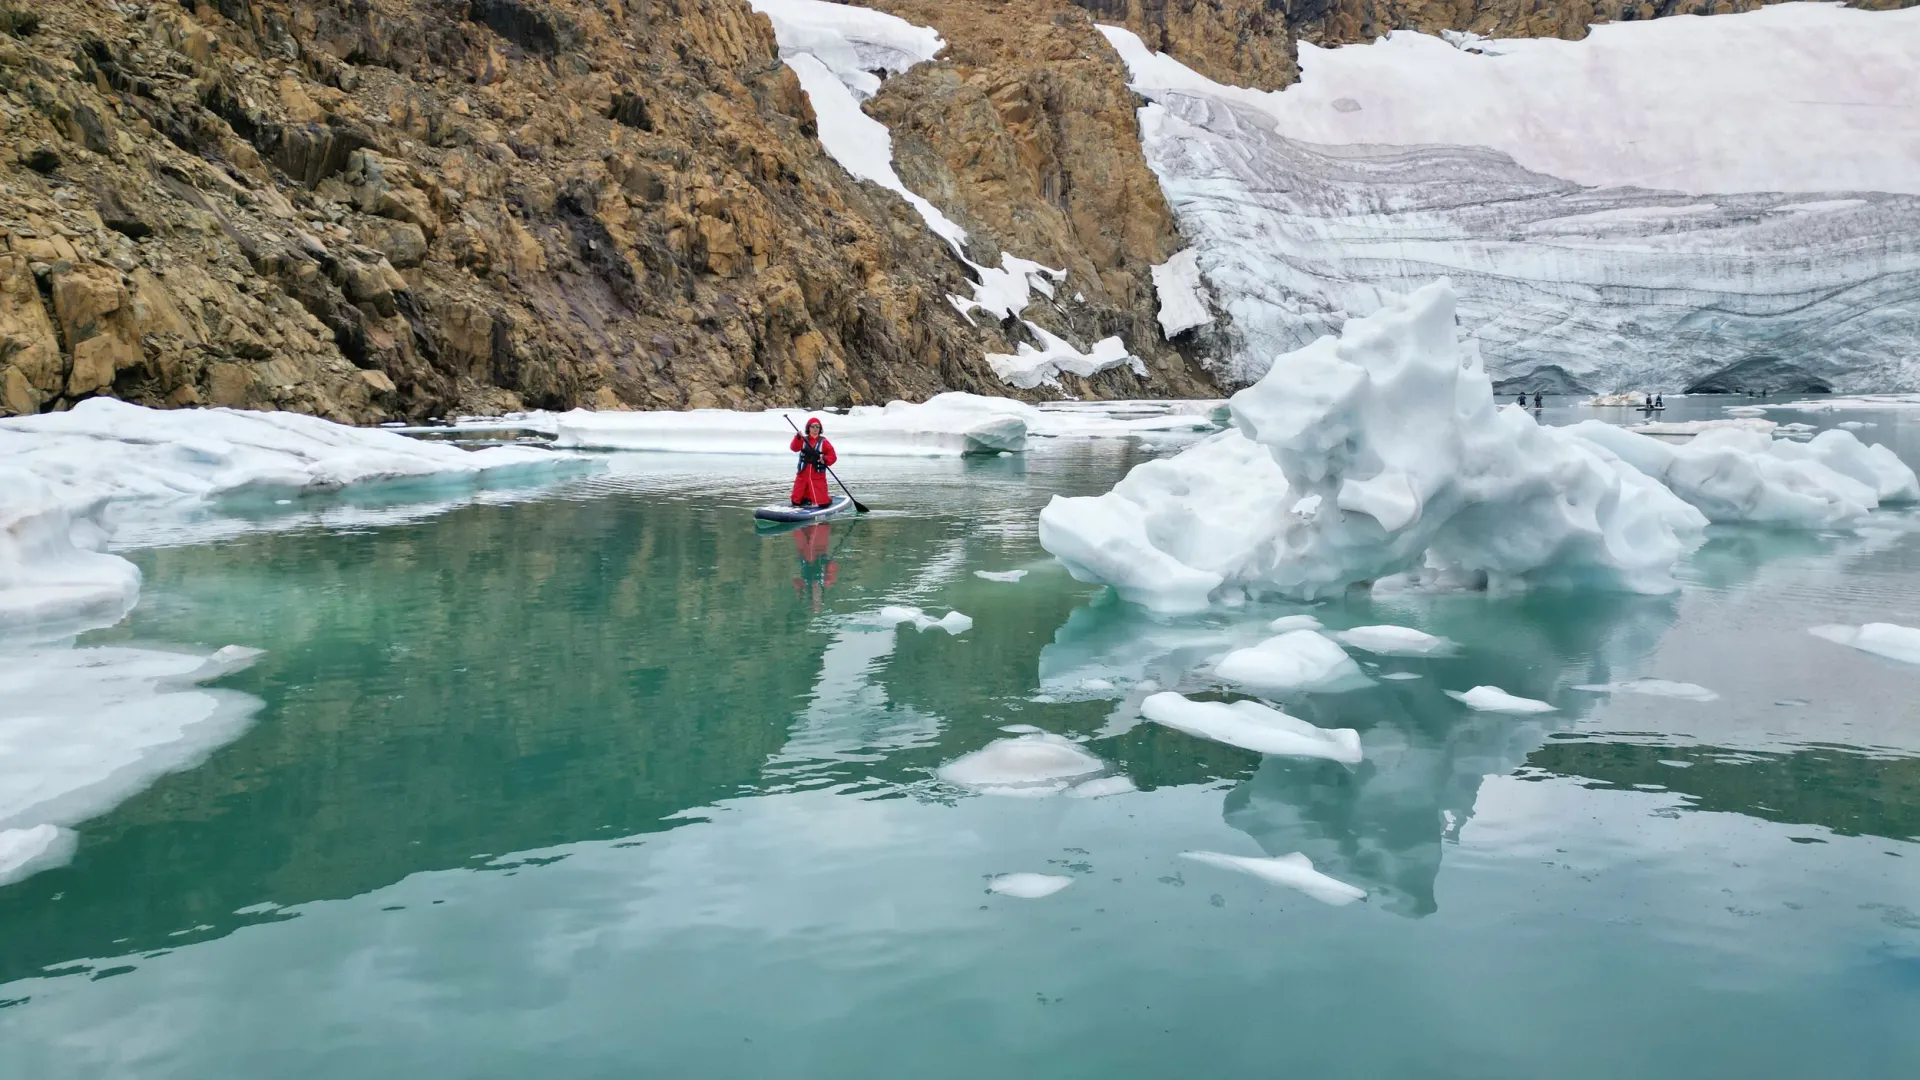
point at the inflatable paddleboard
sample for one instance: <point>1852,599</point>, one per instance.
<point>785,514</point>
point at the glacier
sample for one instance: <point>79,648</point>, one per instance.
<point>1605,230</point>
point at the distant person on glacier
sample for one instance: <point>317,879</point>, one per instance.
<point>1521,400</point>
<point>1659,402</point>
<point>1536,399</point>
<point>816,455</point>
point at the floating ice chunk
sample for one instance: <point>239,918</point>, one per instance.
<point>83,729</point>
<point>1296,660</point>
<point>1890,640</point>
<point>1386,640</point>
<point>1021,729</point>
<point>1172,530</point>
<point>1295,871</point>
<point>1494,699</point>
<point>1183,298</point>
<point>26,852</point>
<point>1398,676</point>
<point>1028,886</point>
<point>1746,410</point>
<point>1096,685</point>
<point>1000,575</point>
<point>1102,787</point>
<point>1039,764</point>
<point>953,622</point>
<point>1250,725</point>
<point>1854,425</point>
<point>1653,688</point>
<point>1030,367</point>
<point>1286,623</point>
<point>52,580</point>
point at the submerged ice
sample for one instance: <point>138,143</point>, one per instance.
<point>1026,765</point>
<point>1294,871</point>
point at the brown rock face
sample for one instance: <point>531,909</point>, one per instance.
<point>1024,133</point>
<point>376,208</point>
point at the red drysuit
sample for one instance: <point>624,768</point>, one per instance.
<point>810,485</point>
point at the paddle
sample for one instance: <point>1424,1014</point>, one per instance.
<point>858,506</point>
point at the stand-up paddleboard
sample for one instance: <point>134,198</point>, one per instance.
<point>786,514</point>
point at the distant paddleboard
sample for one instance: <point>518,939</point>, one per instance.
<point>786,514</point>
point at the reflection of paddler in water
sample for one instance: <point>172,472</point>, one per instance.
<point>818,570</point>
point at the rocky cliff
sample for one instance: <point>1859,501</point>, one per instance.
<point>373,209</point>
<point>401,208</point>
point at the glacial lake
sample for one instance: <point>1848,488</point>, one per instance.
<point>595,780</point>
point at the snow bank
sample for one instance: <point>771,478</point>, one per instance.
<point>1297,660</point>
<point>1494,699</point>
<point>1250,725</point>
<point>952,622</point>
<point>1373,454</point>
<point>1030,367</point>
<point>937,428</point>
<point>1295,871</point>
<point>83,729</point>
<point>1736,474</point>
<point>65,474</point>
<point>1890,640</point>
<point>1601,238</point>
<point>1028,886</point>
<point>1183,297</point>
<point>1027,765</point>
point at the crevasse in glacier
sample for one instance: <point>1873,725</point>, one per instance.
<point>1718,203</point>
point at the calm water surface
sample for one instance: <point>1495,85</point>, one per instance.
<point>603,783</point>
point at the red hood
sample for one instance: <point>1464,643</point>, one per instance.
<point>812,420</point>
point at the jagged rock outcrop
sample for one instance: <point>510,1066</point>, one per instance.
<point>378,208</point>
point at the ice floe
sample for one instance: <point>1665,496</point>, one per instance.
<point>1295,660</point>
<point>1734,474</point>
<point>1026,765</point>
<point>1028,886</point>
<point>1494,699</point>
<point>1666,688</point>
<point>66,477</point>
<point>1285,623</point>
<point>83,729</point>
<point>1294,871</point>
<point>1601,239</point>
<point>1182,295</point>
<point>1000,575</point>
<point>1395,428</point>
<point>1387,640</point>
<point>1250,725</point>
<point>1890,640</point>
<point>953,622</point>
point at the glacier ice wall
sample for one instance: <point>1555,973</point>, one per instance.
<point>1729,203</point>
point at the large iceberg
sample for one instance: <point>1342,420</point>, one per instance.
<point>1378,453</point>
<point>1601,236</point>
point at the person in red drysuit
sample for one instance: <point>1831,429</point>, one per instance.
<point>816,453</point>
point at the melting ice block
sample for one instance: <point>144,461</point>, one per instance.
<point>1297,660</point>
<point>1494,699</point>
<point>1000,575</point>
<point>1101,787</point>
<point>1372,454</point>
<point>953,622</point>
<point>26,852</point>
<point>1028,886</point>
<point>1250,725</point>
<point>1293,622</point>
<point>1890,640</point>
<point>1388,640</point>
<point>1295,871</point>
<point>1029,765</point>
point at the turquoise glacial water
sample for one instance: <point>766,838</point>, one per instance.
<point>598,781</point>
